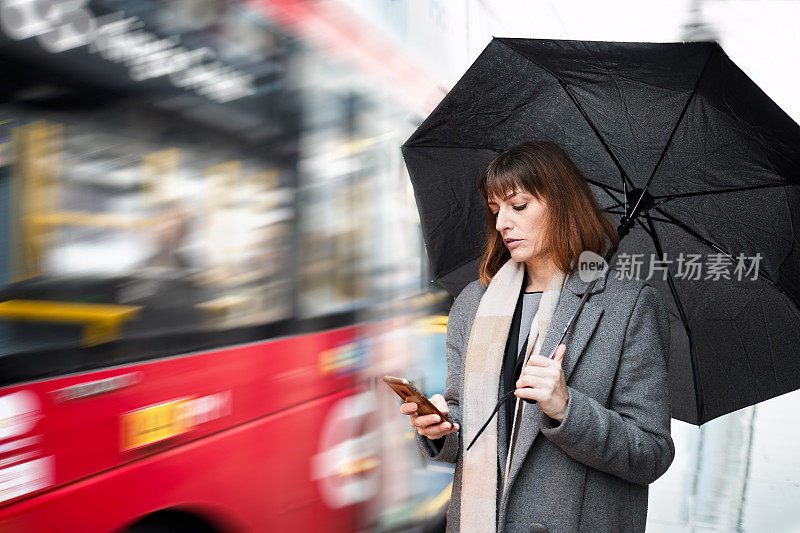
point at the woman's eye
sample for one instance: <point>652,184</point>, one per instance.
<point>520,207</point>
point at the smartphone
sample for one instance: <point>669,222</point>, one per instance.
<point>409,393</point>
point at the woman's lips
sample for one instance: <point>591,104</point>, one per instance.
<point>512,243</point>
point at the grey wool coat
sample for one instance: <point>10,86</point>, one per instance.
<point>591,472</point>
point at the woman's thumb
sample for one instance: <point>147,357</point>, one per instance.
<point>560,351</point>
<point>440,403</point>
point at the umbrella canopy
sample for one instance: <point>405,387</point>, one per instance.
<point>673,136</point>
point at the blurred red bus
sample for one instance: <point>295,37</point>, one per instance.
<point>188,239</point>
<point>178,338</point>
<point>270,435</point>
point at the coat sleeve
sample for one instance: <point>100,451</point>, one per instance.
<point>459,324</point>
<point>630,439</point>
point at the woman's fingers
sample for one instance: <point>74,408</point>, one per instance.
<point>535,388</point>
<point>425,420</point>
<point>436,431</point>
<point>542,361</point>
<point>537,382</point>
<point>551,392</point>
<point>552,373</point>
<point>431,426</point>
<point>408,408</point>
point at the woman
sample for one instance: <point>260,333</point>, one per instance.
<point>581,457</point>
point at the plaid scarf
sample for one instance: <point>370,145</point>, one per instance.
<point>485,353</point>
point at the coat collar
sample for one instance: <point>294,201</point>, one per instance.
<point>577,286</point>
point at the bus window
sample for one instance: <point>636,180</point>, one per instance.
<point>135,233</point>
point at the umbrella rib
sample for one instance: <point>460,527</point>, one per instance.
<point>714,246</point>
<point>698,387</point>
<point>618,202</point>
<point>668,197</point>
<point>769,342</point>
<point>604,186</point>
<point>645,228</point>
<point>622,173</point>
<point>675,127</point>
<point>566,87</point>
<point>612,211</point>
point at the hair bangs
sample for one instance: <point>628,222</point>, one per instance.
<point>506,176</point>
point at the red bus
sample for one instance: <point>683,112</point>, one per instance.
<point>263,436</point>
<point>181,280</point>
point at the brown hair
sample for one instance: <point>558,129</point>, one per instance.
<point>573,222</point>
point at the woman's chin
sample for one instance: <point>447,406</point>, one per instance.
<point>520,257</point>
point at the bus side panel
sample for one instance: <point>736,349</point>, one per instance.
<point>259,476</point>
<point>268,400</point>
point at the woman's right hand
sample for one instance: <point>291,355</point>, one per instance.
<point>430,426</point>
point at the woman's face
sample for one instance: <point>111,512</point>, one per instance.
<point>520,219</point>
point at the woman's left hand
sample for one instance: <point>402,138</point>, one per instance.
<point>542,380</point>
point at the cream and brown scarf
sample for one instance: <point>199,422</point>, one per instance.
<point>485,353</point>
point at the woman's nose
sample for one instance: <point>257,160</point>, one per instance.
<point>503,222</point>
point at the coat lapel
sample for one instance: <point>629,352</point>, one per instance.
<point>502,441</point>
<point>582,331</point>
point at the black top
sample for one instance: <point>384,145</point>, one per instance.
<point>514,355</point>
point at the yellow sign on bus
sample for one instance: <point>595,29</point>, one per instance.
<point>156,423</point>
<point>165,420</point>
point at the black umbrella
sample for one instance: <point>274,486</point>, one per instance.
<point>698,164</point>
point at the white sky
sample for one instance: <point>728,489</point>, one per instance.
<point>760,36</point>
